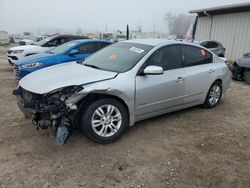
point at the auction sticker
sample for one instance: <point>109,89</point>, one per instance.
<point>113,56</point>
<point>137,50</point>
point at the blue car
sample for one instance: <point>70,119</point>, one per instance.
<point>77,50</point>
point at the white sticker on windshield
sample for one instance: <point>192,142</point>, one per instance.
<point>137,50</point>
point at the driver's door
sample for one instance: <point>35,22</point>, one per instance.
<point>156,93</point>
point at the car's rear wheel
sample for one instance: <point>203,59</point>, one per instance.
<point>105,120</point>
<point>214,95</point>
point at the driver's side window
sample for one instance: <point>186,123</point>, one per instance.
<point>52,43</point>
<point>168,57</point>
<point>88,48</point>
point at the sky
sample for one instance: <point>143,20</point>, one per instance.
<point>17,16</point>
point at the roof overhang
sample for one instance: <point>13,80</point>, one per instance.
<point>227,9</point>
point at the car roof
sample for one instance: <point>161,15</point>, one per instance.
<point>90,40</point>
<point>69,36</point>
<point>156,42</point>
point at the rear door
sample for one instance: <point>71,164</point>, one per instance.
<point>199,73</point>
<point>156,93</point>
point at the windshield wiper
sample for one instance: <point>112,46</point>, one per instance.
<point>92,66</point>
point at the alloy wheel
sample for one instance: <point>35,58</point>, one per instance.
<point>106,120</point>
<point>214,95</point>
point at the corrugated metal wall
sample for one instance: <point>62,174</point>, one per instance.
<point>232,30</point>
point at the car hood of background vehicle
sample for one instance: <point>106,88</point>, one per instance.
<point>63,75</point>
<point>244,62</point>
<point>41,57</point>
<point>30,48</point>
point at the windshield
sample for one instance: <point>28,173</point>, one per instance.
<point>62,48</point>
<point>119,57</point>
<point>42,42</point>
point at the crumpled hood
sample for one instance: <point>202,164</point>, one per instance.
<point>30,48</point>
<point>244,62</point>
<point>41,57</point>
<point>46,80</point>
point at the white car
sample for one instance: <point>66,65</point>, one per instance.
<point>16,53</point>
<point>25,42</point>
<point>122,84</point>
<point>38,39</point>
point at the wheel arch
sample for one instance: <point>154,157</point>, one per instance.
<point>206,92</point>
<point>83,103</point>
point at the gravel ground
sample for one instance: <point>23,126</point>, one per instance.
<point>191,148</point>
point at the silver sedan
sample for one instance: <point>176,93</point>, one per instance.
<point>124,83</point>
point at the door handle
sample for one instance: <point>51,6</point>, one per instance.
<point>211,70</point>
<point>179,79</point>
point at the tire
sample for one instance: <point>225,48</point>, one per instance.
<point>214,95</point>
<point>101,126</point>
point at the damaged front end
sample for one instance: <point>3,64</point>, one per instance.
<point>57,109</point>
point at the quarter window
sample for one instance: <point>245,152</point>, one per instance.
<point>167,57</point>
<point>196,56</point>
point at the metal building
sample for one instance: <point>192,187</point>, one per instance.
<point>229,25</point>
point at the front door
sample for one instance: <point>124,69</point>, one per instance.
<point>155,93</point>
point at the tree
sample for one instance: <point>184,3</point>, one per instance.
<point>178,23</point>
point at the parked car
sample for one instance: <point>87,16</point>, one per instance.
<point>38,38</point>
<point>121,84</point>
<point>71,51</point>
<point>25,42</point>
<point>15,38</point>
<point>16,53</point>
<point>4,38</point>
<point>241,68</point>
<point>214,46</point>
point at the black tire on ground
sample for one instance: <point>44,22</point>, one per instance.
<point>86,125</point>
<point>207,103</point>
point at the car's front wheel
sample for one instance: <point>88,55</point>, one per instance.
<point>105,120</point>
<point>214,95</point>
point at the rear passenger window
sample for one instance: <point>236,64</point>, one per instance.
<point>196,56</point>
<point>167,57</point>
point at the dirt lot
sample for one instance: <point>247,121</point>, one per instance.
<point>192,148</point>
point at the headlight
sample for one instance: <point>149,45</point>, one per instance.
<point>17,51</point>
<point>33,65</point>
<point>64,93</point>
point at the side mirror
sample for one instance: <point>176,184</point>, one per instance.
<point>153,70</point>
<point>73,52</point>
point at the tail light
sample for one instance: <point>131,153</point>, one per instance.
<point>230,66</point>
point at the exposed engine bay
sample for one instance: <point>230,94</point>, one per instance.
<point>54,109</point>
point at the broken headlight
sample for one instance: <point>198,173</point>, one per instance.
<point>64,93</point>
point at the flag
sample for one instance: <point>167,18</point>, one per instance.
<point>189,34</point>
